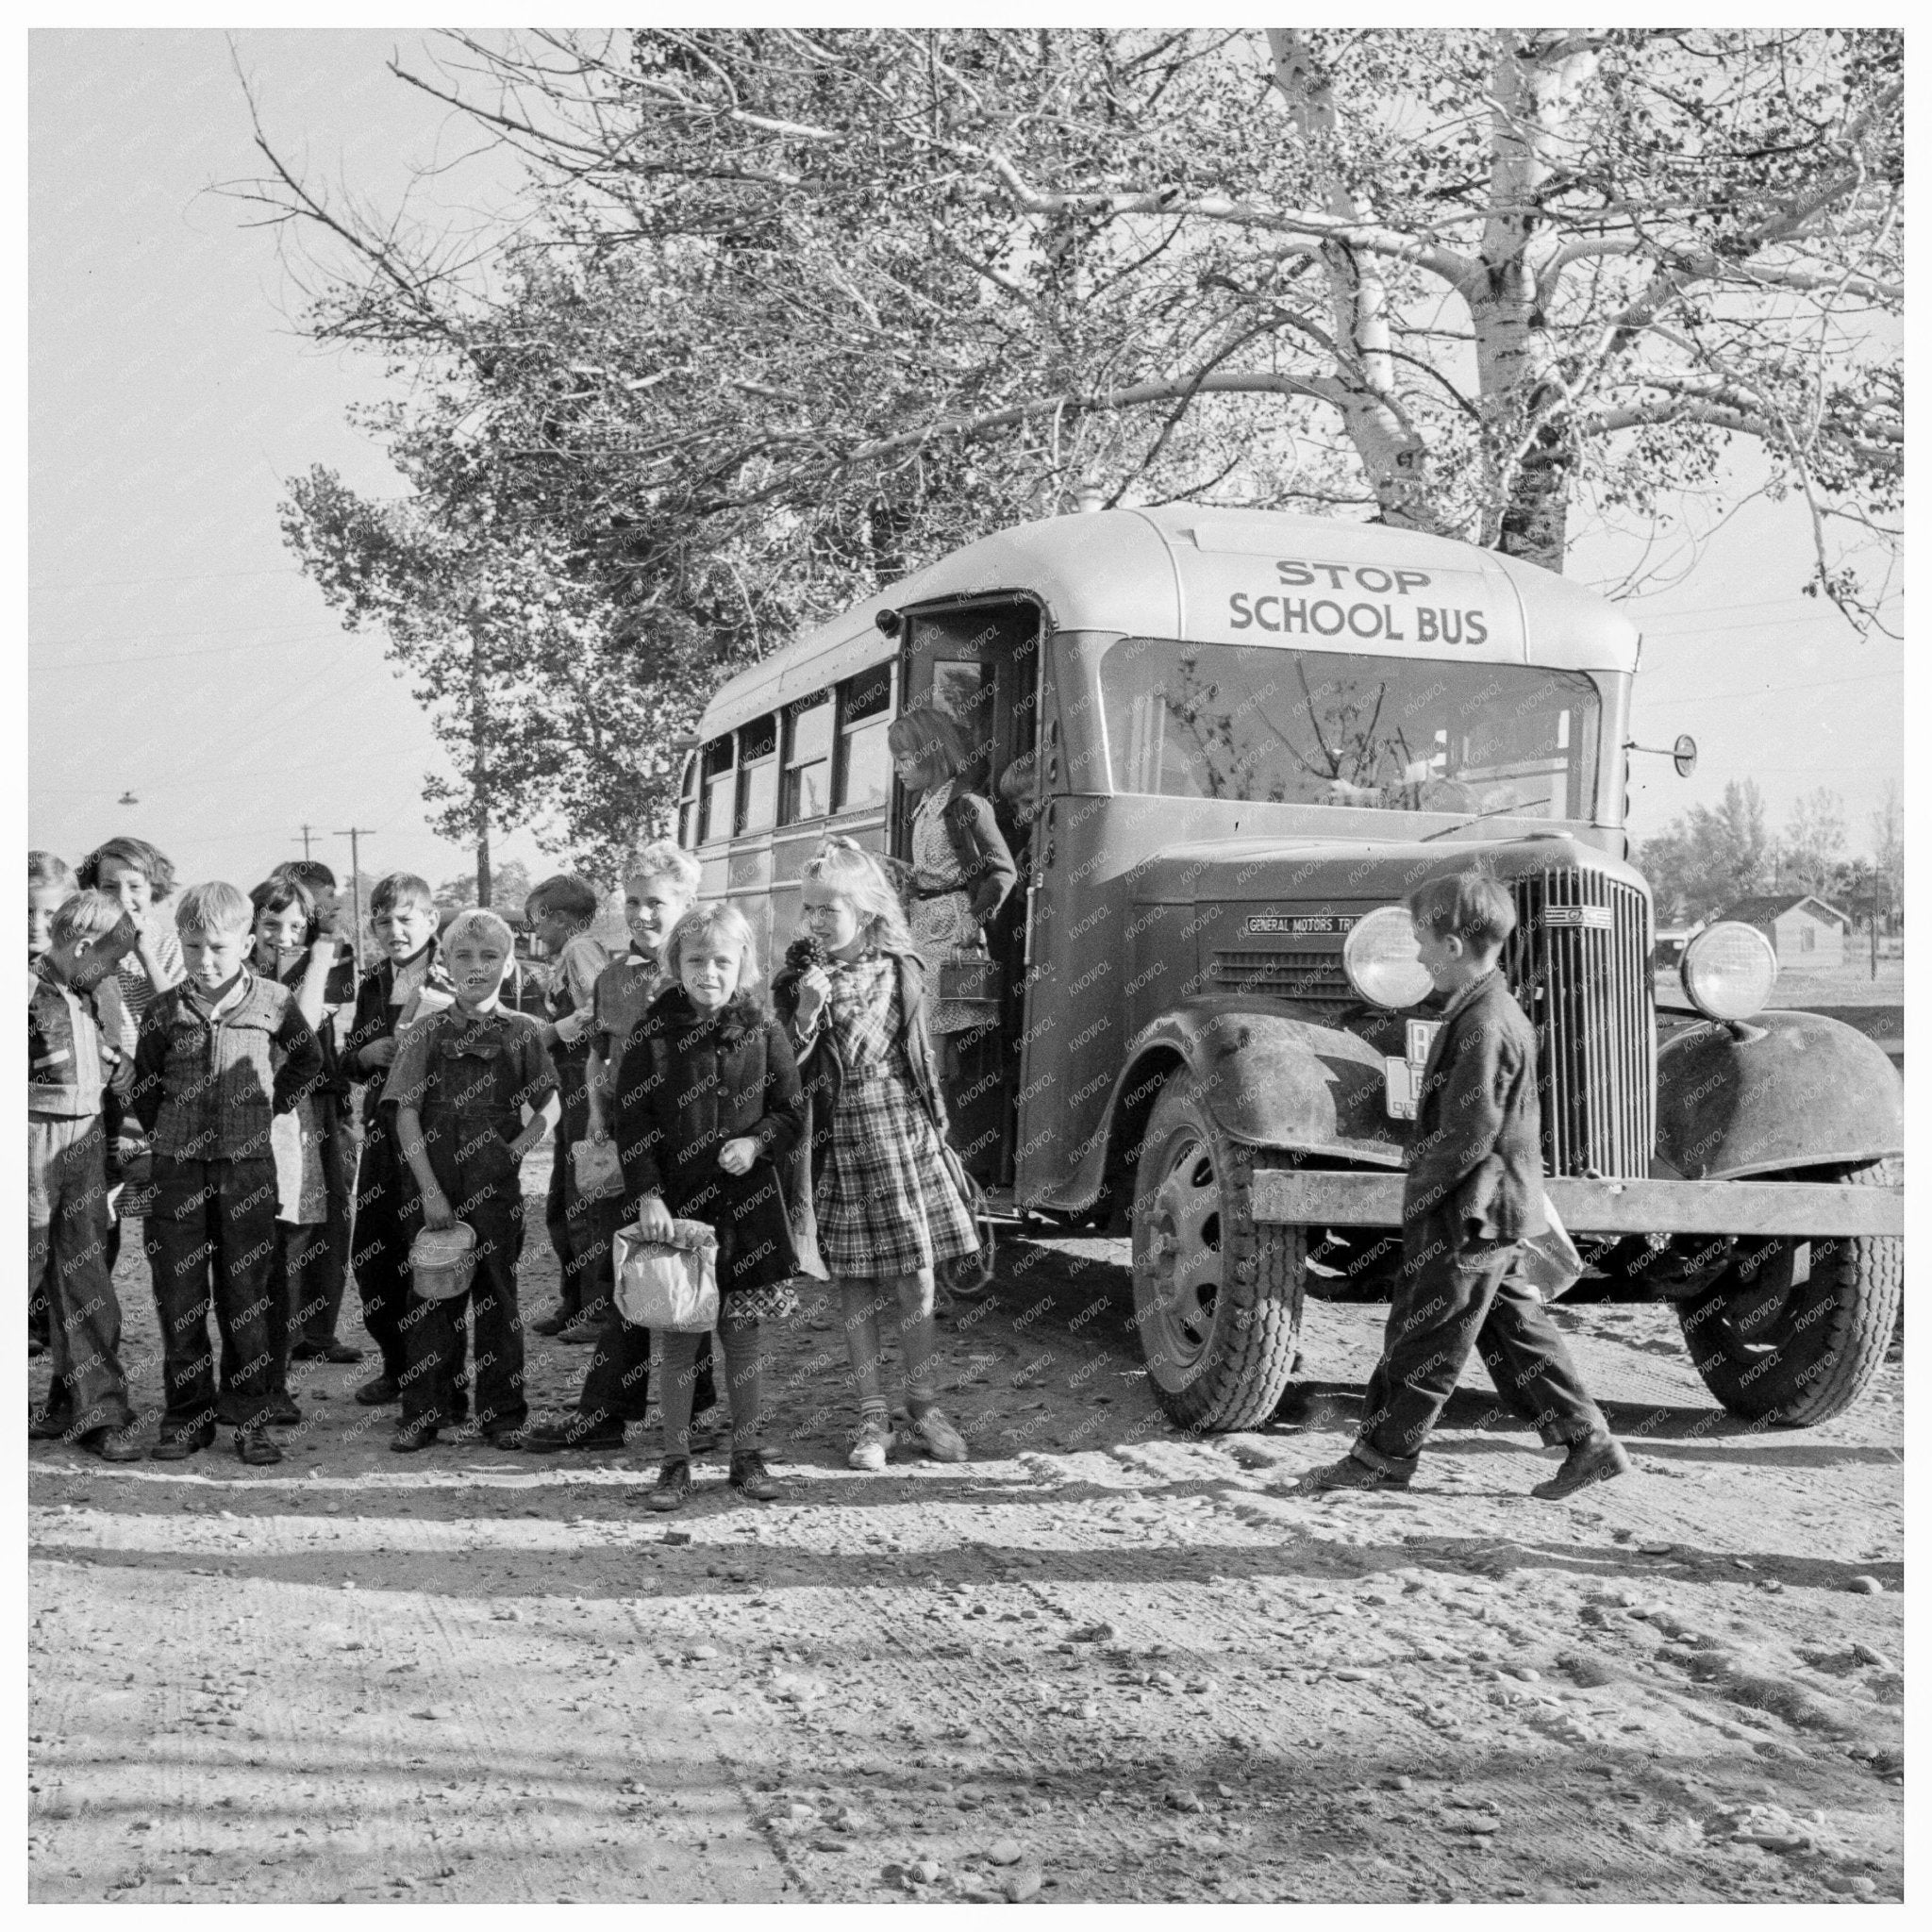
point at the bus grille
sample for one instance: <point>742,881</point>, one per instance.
<point>1579,963</point>
<point>1298,975</point>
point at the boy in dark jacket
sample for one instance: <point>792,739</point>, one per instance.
<point>206,1087</point>
<point>1474,1191</point>
<point>560,911</point>
<point>659,889</point>
<point>78,1067</point>
<point>400,987</point>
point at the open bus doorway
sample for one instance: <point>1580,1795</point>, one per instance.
<point>979,663</point>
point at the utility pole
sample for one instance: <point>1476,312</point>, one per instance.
<point>354,834</point>
<point>308,834</point>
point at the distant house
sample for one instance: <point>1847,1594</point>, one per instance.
<point>1802,930</point>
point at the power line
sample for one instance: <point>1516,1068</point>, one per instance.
<point>1779,690</point>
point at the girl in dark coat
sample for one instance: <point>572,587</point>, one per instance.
<point>708,1109</point>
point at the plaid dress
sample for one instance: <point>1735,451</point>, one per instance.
<point>884,1204</point>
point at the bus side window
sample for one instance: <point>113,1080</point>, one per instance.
<point>688,803</point>
<point>719,781</point>
<point>758,774</point>
<point>808,791</point>
<point>864,775</point>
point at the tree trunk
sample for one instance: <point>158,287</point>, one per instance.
<point>1536,80</point>
<point>1393,453</point>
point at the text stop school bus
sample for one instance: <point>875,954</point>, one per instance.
<point>1255,734</point>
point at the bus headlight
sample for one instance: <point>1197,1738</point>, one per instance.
<point>1728,971</point>
<point>1380,959</point>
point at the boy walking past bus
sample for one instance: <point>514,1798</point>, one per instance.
<point>206,1087</point>
<point>1473,1194</point>
<point>77,1061</point>
<point>472,1091</point>
<point>402,986</point>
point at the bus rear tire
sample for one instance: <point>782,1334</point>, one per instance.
<point>1792,1331</point>
<point>1217,1298</point>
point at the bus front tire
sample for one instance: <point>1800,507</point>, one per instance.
<point>1793,1330</point>
<point>1217,1297</point>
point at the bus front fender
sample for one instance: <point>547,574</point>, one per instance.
<point>1270,1080</point>
<point>1787,1090</point>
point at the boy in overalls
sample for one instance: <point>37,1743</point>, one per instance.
<point>474,1091</point>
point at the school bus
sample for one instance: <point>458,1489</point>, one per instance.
<point>1252,735</point>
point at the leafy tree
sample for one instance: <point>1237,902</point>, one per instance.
<point>542,699</point>
<point>1708,858</point>
<point>789,311</point>
<point>509,885</point>
<point>1813,845</point>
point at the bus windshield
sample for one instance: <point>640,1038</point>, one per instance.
<point>1327,728</point>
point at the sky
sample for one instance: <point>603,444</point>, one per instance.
<point>176,652</point>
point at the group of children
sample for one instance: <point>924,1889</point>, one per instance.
<point>805,1131</point>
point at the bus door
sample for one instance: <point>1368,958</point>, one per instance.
<point>980,663</point>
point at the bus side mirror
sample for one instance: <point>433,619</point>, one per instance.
<point>1683,754</point>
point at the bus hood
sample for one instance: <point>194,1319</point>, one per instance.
<point>1306,878</point>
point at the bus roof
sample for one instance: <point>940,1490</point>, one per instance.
<point>1228,576</point>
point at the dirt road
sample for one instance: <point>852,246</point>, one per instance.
<point>1098,1662</point>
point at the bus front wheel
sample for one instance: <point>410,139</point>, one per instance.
<point>1217,1298</point>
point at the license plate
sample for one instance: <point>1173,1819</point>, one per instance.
<point>1402,1079</point>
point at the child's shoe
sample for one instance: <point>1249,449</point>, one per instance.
<point>179,1447</point>
<point>870,1442</point>
<point>412,1435</point>
<point>1595,1459</point>
<point>379,1394</point>
<point>112,1445</point>
<point>673,1490</point>
<point>750,1476</point>
<point>933,1433</point>
<point>256,1448</point>
<point>544,1437</point>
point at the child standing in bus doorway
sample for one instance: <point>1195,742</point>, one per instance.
<point>962,869</point>
<point>1473,1192</point>
<point>560,911</point>
<point>888,1209</point>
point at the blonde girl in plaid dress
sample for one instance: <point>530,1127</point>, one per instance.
<point>887,1211</point>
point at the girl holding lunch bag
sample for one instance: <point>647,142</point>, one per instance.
<point>708,1107</point>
